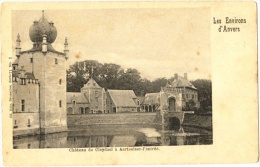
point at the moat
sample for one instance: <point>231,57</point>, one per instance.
<point>116,136</point>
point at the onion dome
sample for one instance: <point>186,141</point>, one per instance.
<point>41,27</point>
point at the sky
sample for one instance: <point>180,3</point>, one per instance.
<point>156,42</point>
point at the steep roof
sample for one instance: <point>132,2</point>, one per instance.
<point>91,84</point>
<point>182,82</point>
<point>77,96</point>
<point>29,75</point>
<point>152,98</point>
<point>123,98</point>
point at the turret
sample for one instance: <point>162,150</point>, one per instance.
<point>18,47</point>
<point>66,50</point>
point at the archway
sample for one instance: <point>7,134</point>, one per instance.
<point>69,110</point>
<point>174,123</point>
<point>172,104</point>
<point>87,110</point>
<point>81,110</point>
<point>150,109</point>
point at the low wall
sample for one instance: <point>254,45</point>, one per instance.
<point>199,121</point>
<point>112,119</point>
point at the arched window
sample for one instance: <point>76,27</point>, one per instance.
<point>69,110</point>
<point>171,104</point>
<point>86,110</point>
<point>81,110</point>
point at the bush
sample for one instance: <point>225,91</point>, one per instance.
<point>200,111</point>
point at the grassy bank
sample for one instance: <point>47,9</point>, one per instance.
<point>200,121</point>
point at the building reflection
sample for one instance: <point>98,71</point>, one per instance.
<point>85,139</point>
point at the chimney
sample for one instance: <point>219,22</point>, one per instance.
<point>175,76</point>
<point>185,76</point>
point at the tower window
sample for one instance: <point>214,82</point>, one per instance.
<point>60,81</point>
<point>74,102</point>
<point>29,123</point>
<point>31,60</point>
<point>23,105</point>
<point>60,103</point>
<point>56,61</point>
<point>15,124</point>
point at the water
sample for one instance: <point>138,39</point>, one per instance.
<point>116,136</point>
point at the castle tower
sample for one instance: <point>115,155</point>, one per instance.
<point>49,67</point>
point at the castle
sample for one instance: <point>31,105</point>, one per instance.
<point>41,103</point>
<point>39,83</point>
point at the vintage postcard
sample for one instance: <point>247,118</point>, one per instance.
<point>129,83</point>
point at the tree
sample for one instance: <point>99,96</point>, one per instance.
<point>158,83</point>
<point>79,73</point>
<point>205,93</point>
<point>130,80</point>
<point>109,75</point>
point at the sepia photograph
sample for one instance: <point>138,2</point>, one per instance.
<point>109,78</point>
<point>129,83</point>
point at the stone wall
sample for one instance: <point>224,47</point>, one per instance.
<point>29,93</point>
<point>25,123</point>
<point>200,121</point>
<point>112,119</point>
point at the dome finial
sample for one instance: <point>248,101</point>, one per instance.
<point>42,27</point>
